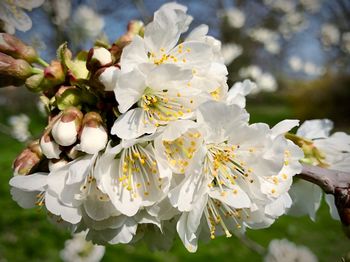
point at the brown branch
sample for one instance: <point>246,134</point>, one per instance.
<point>332,182</point>
<point>327,179</point>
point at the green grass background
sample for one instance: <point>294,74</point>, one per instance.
<point>26,235</point>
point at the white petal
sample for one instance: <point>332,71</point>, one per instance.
<point>24,199</point>
<point>98,210</point>
<point>195,55</point>
<point>34,182</point>
<point>69,214</point>
<point>234,197</point>
<point>332,208</point>
<point>130,88</point>
<point>102,55</point>
<point>109,78</point>
<point>198,33</point>
<point>93,139</point>
<point>177,128</point>
<point>161,77</point>
<point>193,187</point>
<point>133,55</point>
<point>188,225</point>
<point>65,134</point>
<point>29,4</point>
<point>79,168</point>
<point>122,199</point>
<point>239,91</point>
<point>284,126</point>
<point>319,128</point>
<point>306,199</point>
<point>130,125</point>
<point>279,206</point>
<point>17,18</point>
<point>50,149</point>
<point>213,116</point>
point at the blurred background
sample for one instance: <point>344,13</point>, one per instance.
<point>297,51</point>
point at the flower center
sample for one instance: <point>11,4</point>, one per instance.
<point>164,106</point>
<point>224,168</point>
<point>180,151</point>
<point>139,171</point>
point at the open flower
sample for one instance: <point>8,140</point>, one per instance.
<point>159,45</point>
<point>284,250</point>
<point>78,249</point>
<point>321,149</point>
<point>235,175</point>
<point>14,17</point>
<point>161,96</point>
<point>132,177</point>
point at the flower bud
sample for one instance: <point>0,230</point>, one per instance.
<point>49,147</point>
<point>14,47</point>
<point>55,73</point>
<point>26,161</point>
<point>135,27</point>
<point>14,67</point>
<point>98,57</point>
<point>108,77</point>
<point>66,129</point>
<point>93,137</point>
<point>68,96</point>
<point>35,82</point>
<point>52,76</point>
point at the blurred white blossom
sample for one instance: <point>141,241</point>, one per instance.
<point>312,69</point>
<point>311,5</point>
<point>61,10</point>
<point>330,35</point>
<point>230,52</point>
<point>13,16</point>
<point>286,6</point>
<point>268,38</point>
<point>295,63</point>
<point>19,125</point>
<point>235,17</point>
<point>286,251</point>
<point>78,249</point>
<point>292,23</point>
<point>306,67</point>
<point>86,24</point>
<point>264,80</point>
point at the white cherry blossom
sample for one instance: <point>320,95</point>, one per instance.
<point>232,171</point>
<point>163,95</point>
<point>132,176</point>
<point>333,151</point>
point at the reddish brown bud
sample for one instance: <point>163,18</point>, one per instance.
<point>14,47</point>
<point>28,160</point>
<point>55,73</point>
<point>17,68</point>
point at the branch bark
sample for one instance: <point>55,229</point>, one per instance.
<point>327,179</point>
<point>332,182</point>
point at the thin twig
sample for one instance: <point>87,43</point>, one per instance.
<point>251,244</point>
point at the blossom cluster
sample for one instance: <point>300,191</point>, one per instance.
<point>145,140</point>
